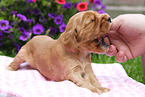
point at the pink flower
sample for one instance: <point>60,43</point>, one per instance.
<point>31,1</point>
<point>82,6</point>
<point>34,1</point>
<point>60,1</point>
<point>91,1</point>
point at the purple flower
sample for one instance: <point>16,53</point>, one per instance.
<point>1,33</point>
<point>22,30</point>
<point>13,22</point>
<point>97,2</point>
<point>67,5</point>
<point>10,27</point>
<point>62,27</point>
<point>4,24</point>
<point>10,36</point>
<point>3,9</point>
<point>17,46</point>
<point>13,12</point>
<point>52,31</point>
<point>103,7</point>
<point>58,20</point>
<point>38,29</point>
<point>52,15</point>
<point>25,36</point>
<point>42,19</point>
<point>93,7</point>
<point>36,11</point>
<point>60,16</point>
<point>30,21</point>
<point>1,43</point>
<point>7,31</point>
<point>22,17</point>
<point>28,12</point>
<point>99,5</point>
<point>101,11</point>
<point>29,30</point>
<point>75,5</point>
<point>30,1</point>
<point>1,36</point>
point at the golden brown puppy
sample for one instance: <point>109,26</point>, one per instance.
<point>68,57</point>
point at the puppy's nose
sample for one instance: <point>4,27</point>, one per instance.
<point>109,19</point>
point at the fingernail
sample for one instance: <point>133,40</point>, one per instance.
<point>110,50</point>
<point>120,55</point>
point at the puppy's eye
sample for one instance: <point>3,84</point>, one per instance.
<point>93,20</point>
<point>89,21</point>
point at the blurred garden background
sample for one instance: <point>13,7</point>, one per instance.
<point>21,20</point>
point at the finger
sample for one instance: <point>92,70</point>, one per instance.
<point>116,23</point>
<point>112,51</point>
<point>121,57</point>
<point>106,40</point>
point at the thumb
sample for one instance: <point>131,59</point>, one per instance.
<point>116,23</point>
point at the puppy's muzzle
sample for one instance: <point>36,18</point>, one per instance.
<point>101,42</point>
<point>109,20</point>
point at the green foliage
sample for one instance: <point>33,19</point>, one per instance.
<point>6,2</point>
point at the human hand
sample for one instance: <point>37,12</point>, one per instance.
<point>127,37</point>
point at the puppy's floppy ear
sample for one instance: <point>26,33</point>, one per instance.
<point>69,38</point>
<point>88,17</point>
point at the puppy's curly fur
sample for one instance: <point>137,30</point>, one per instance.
<point>68,58</point>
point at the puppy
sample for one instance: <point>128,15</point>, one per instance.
<point>68,57</point>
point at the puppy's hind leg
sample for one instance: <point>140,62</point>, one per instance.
<point>19,58</point>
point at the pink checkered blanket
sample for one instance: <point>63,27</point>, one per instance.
<point>27,82</point>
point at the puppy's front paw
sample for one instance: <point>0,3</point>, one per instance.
<point>97,91</point>
<point>103,90</point>
<point>10,68</point>
<point>100,90</point>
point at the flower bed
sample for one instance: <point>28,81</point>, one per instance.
<point>21,20</point>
